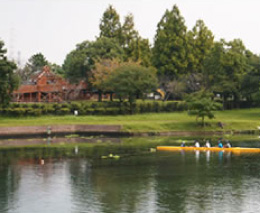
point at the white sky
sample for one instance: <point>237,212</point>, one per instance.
<point>54,27</point>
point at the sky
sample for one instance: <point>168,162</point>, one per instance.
<point>54,27</point>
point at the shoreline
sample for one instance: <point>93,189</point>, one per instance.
<point>102,130</point>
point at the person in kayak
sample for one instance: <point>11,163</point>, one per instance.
<point>220,145</point>
<point>207,144</point>
<point>197,144</point>
<point>228,144</point>
<point>183,144</point>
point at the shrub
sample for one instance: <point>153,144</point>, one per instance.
<point>63,111</point>
<point>33,112</point>
<point>90,111</point>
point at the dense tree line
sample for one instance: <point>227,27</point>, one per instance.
<point>186,61</point>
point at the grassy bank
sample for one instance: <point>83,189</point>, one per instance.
<point>248,119</point>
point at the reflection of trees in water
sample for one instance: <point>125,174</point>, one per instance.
<point>200,185</point>
<point>9,184</point>
<point>111,188</point>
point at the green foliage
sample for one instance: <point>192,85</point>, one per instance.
<point>201,105</point>
<point>200,41</point>
<point>37,62</point>
<point>8,79</point>
<point>110,26</point>
<point>81,61</point>
<point>225,68</point>
<point>57,69</point>
<point>131,80</point>
<point>129,34</point>
<point>170,46</point>
<point>139,51</point>
<point>92,108</point>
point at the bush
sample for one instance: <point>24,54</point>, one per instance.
<point>182,106</point>
<point>15,112</point>
<point>63,111</point>
<point>90,108</point>
<point>75,106</point>
<point>90,111</point>
<point>100,111</point>
<point>34,112</point>
<point>112,111</point>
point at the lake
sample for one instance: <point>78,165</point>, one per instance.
<point>141,182</point>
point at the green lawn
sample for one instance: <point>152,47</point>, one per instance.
<point>248,119</point>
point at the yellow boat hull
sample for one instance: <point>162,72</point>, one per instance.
<point>213,149</point>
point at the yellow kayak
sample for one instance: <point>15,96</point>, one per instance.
<point>213,149</point>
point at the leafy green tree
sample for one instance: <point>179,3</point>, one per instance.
<point>76,65</point>
<point>140,51</point>
<point>56,69</point>
<point>170,47</point>
<point>225,67</point>
<point>79,63</point>
<point>37,62</point>
<point>110,26</point>
<point>8,79</point>
<point>128,31</point>
<point>201,41</point>
<point>250,82</point>
<point>202,105</point>
<point>100,75</point>
<point>131,80</point>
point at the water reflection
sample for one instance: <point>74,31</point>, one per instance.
<point>155,182</point>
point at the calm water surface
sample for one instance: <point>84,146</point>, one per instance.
<point>155,182</point>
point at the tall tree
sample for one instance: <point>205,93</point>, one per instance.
<point>170,46</point>
<point>8,79</point>
<point>110,26</point>
<point>136,48</point>
<point>250,82</point>
<point>200,40</point>
<point>139,51</point>
<point>225,68</point>
<point>37,62</point>
<point>129,35</point>
<point>128,31</point>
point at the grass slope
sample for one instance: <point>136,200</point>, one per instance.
<point>248,119</point>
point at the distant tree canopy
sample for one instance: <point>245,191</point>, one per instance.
<point>135,48</point>
<point>225,68</point>
<point>131,80</point>
<point>37,62</point>
<point>8,79</point>
<point>186,60</point>
<point>119,60</point>
<point>81,61</point>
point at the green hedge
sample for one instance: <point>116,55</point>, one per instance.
<point>92,108</point>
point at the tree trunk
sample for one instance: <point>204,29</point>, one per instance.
<point>131,100</point>
<point>111,96</point>
<point>99,96</point>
